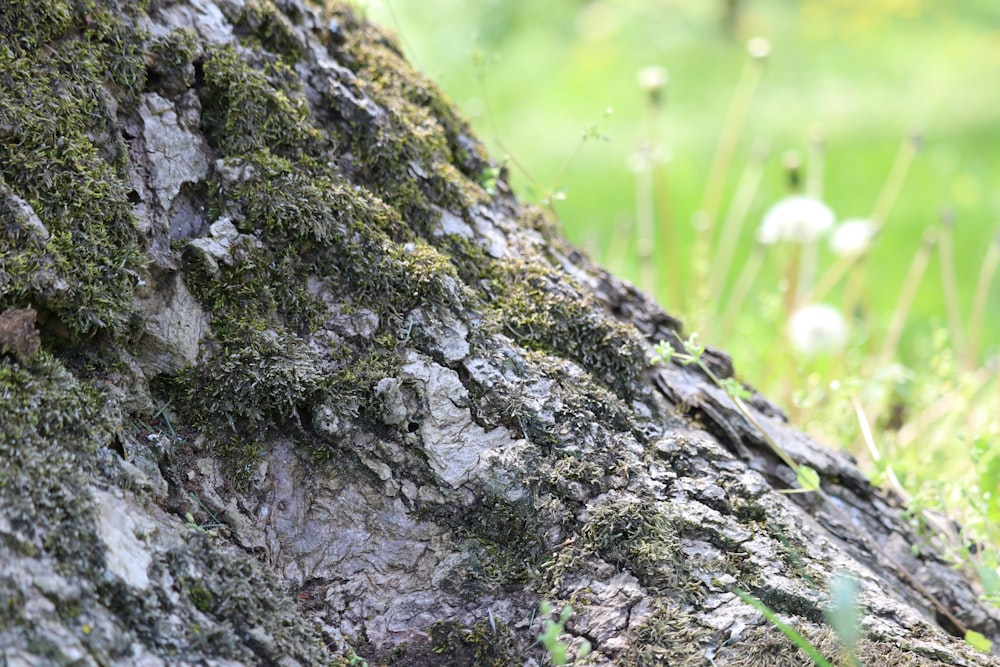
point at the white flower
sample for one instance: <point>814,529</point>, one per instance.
<point>796,218</point>
<point>817,329</point>
<point>759,48</point>
<point>652,79</point>
<point>852,237</point>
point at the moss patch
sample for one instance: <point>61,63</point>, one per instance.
<point>665,636</point>
<point>247,108</point>
<point>171,62</point>
<point>52,425</point>
<point>259,21</point>
<point>60,153</point>
<point>486,644</point>
<point>239,594</point>
<point>543,310</point>
<point>510,546</point>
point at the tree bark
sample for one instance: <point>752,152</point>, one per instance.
<point>288,377</point>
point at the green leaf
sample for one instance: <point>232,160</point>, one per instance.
<point>978,641</point>
<point>842,614</point>
<point>808,478</point>
<point>733,387</point>
<point>990,580</point>
<point>664,351</point>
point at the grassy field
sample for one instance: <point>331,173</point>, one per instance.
<point>846,83</point>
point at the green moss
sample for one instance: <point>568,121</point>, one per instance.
<point>509,542</point>
<point>11,603</point>
<point>28,24</point>
<point>52,425</point>
<point>242,597</point>
<point>666,635</point>
<point>487,644</point>
<point>635,534</point>
<point>543,310</point>
<point>418,155</point>
<point>300,200</point>
<point>172,59</point>
<point>270,28</point>
<point>418,107</point>
<point>237,395</point>
<point>60,152</point>
<point>247,108</point>
<point>200,596</point>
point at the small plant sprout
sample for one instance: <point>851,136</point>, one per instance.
<point>551,637</point>
<point>488,178</point>
<point>807,478</point>
<point>817,330</point>
<point>843,615</point>
<point>355,660</point>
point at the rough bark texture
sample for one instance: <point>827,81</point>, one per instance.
<point>300,385</point>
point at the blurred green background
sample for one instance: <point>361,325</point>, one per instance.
<point>533,76</point>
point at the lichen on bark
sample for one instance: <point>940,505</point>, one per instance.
<point>306,389</point>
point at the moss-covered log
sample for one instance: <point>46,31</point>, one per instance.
<point>287,376</point>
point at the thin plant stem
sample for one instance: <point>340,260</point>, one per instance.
<point>946,256</point>
<point>854,290</point>
<point>808,260</point>
<point>792,280</point>
<point>731,131</point>
<point>645,226</point>
<point>741,289</point>
<point>905,301</point>
<point>645,201</point>
<point>735,218</point>
<point>894,183</point>
<point>817,163</point>
<point>667,233</point>
<point>986,274</point>
<point>873,450</point>
<point>832,276</point>
<point>814,188</point>
<point>880,211</point>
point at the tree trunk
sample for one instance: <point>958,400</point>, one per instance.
<point>287,377</point>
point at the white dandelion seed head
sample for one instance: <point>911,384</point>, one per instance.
<point>653,79</point>
<point>817,329</point>
<point>852,237</point>
<point>797,219</point>
<point>759,48</point>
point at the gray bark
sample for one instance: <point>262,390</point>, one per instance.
<point>281,380</point>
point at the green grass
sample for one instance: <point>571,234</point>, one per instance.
<point>532,77</point>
